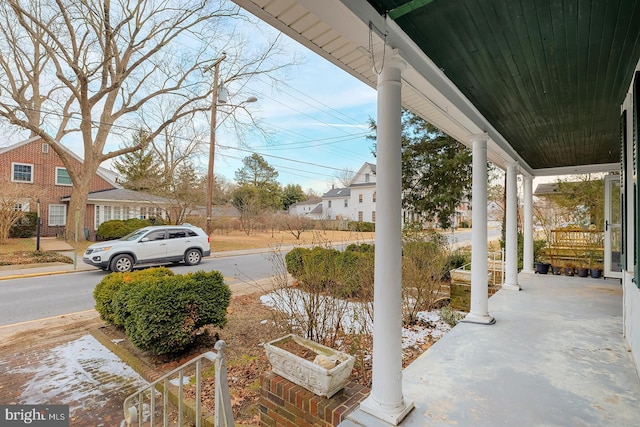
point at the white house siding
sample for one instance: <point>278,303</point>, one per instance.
<point>334,208</point>
<point>367,206</point>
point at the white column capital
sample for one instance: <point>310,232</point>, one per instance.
<point>388,57</point>
<point>479,138</point>
<point>511,164</point>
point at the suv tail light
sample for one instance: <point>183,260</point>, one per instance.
<point>208,239</point>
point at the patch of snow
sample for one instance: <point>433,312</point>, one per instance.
<point>176,381</point>
<point>117,340</point>
<point>264,322</point>
<point>80,374</point>
<point>354,317</point>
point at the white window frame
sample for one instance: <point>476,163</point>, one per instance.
<point>21,206</point>
<point>62,183</point>
<point>64,216</point>
<point>13,165</point>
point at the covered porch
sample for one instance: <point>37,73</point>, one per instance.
<point>555,356</point>
<point>538,89</point>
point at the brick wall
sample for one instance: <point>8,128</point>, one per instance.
<point>284,404</point>
<point>44,175</point>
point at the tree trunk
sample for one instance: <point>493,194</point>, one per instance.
<point>78,203</point>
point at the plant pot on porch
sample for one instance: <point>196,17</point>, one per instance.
<point>325,374</point>
<point>583,272</point>
<point>596,273</point>
<point>556,270</point>
<point>542,267</point>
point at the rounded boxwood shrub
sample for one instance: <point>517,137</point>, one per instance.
<point>117,228</point>
<point>164,316</point>
<point>362,226</point>
<point>106,291</point>
<point>25,227</point>
<point>160,311</point>
<point>293,260</point>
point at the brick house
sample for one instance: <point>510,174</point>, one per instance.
<point>34,163</point>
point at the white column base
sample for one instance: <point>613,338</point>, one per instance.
<point>511,287</point>
<point>529,271</point>
<point>477,318</point>
<point>391,415</point>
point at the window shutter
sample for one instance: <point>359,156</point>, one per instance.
<point>623,195</point>
<point>636,197</point>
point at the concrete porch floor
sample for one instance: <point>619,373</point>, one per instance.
<point>555,357</point>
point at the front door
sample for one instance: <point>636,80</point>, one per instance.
<point>612,227</point>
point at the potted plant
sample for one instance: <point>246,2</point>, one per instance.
<point>542,267</point>
<point>583,269</point>
<point>318,368</point>
<point>596,270</point>
<point>555,264</point>
<point>569,269</point>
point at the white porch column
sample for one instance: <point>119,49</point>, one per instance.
<point>386,400</point>
<point>511,232</point>
<point>527,255</point>
<point>479,312</point>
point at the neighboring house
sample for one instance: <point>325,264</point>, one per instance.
<point>310,208</point>
<point>34,163</point>
<point>357,202</point>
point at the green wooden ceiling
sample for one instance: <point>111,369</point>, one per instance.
<point>549,75</point>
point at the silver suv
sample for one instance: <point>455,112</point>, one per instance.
<point>151,245</point>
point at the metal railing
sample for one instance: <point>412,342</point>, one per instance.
<point>136,408</point>
<point>496,268</point>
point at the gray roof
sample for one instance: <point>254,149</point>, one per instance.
<point>372,166</point>
<point>363,184</point>
<point>122,195</point>
<point>317,209</point>
<point>307,202</point>
<point>337,192</point>
<point>546,189</point>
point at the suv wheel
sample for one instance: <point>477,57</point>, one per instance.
<point>121,263</point>
<point>192,257</point>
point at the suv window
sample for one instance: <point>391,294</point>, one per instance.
<point>177,234</point>
<point>156,235</point>
<point>192,233</point>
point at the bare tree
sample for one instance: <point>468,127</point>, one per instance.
<point>89,68</point>
<point>344,176</point>
<point>13,197</point>
<point>298,225</point>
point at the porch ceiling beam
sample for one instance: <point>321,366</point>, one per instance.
<point>574,170</point>
<point>406,8</point>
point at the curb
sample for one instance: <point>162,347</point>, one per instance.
<point>44,273</point>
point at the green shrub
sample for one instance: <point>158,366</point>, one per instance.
<point>116,228</point>
<point>105,292</point>
<point>361,226</point>
<point>25,227</point>
<point>362,248</point>
<point>293,260</point>
<point>355,274</point>
<point>160,311</point>
<point>457,259</point>
<point>345,274</point>
<point>164,316</point>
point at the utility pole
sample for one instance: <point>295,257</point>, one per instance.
<point>212,141</point>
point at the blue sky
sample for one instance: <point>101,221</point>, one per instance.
<point>317,122</point>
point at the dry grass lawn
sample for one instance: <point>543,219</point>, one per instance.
<point>224,240</point>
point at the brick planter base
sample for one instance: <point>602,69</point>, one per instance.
<point>285,404</point>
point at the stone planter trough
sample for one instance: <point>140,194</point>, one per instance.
<point>315,378</point>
